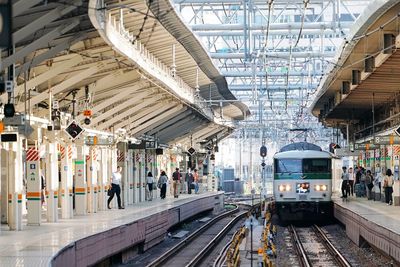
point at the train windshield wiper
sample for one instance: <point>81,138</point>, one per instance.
<point>284,166</point>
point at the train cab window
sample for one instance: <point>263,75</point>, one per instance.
<point>288,166</point>
<point>317,165</point>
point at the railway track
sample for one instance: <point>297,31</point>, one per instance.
<point>189,253</point>
<point>311,245</point>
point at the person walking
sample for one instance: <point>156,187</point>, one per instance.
<point>388,186</point>
<point>116,188</point>
<point>369,181</point>
<point>176,177</point>
<point>345,182</point>
<point>351,181</point>
<point>196,181</point>
<point>162,184</point>
<point>189,180</point>
<point>150,182</point>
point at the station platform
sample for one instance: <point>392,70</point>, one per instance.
<point>370,221</point>
<point>86,240</point>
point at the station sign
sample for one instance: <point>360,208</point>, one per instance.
<point>99,141</point>
<point>144,144</point>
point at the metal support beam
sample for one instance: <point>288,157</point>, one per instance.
<point>169,122</point>
<point>113,111</point>
<point>40,43</point>
<point>174,111</point>
<point>144,103</point>
<point>65,84</point>
<point>34,26</point>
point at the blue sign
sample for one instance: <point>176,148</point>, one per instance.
<point>32,166</point>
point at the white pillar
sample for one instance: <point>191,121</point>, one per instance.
<point>112,167</point>
<point>142,176</point>
<point>15,177</point>
<point>92,180</point>
<point>122,161</point>
<point>130,167</point>
<point>80,179</point>
<point>52,181</point>
<point>4,185</point>
<point>103,179</point>
<point>136,174</point>
<point>34,190</point>
<point>66,182</point>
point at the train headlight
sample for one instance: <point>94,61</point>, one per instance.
<point>283,187</point>
<point>321,187</point>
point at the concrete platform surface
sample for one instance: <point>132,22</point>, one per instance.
<point>375,211</point>
<point>371,221</point>
<point>37,245</point>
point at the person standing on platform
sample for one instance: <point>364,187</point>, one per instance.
<point>388,186</point>
<point>196,181</point>
<point>345,183</point>
<point>189,180</point>
<point>176,177</point>
<point>150,182</point>
<point>116,188</point>
<point>369,181</point>
<point>162,184</point>
<point>351,181</point>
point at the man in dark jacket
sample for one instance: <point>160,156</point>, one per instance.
<point>189,180</point>
<point>176,177</point>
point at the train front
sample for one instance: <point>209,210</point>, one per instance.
<point>303,185</point>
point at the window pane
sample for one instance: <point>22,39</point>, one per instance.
<point>288,166</point>
<point>317,165</point>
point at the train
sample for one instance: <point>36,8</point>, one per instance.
<point>303,175</point>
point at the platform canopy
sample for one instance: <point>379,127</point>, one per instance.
<point>122,61</point>
<point>362,89</point>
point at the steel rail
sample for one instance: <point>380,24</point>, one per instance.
<point>341,260</point>
<point>178,247</point>
<point>219,261</point>
<point>204,252</point>
<point>305,262</point>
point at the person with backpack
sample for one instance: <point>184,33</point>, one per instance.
<point>369,181</point>
<point>162,184</point>
<point>176,177</point>
<point>189,180</point>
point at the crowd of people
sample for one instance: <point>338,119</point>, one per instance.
<point>361,182</point>
<point>180,184</point>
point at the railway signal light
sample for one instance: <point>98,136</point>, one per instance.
<point>9,110</point>
<point>87,113</point>
<point>263,151</point>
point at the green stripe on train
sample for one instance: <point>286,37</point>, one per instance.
<point>298,176</point>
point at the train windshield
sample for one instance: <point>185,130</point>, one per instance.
<point>288,166</point>
<point>317,165</point>
<point>302,166</point>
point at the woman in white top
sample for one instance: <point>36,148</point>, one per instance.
<point>150,181</point>
<point>116,188</point>
<point>351,181</point>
